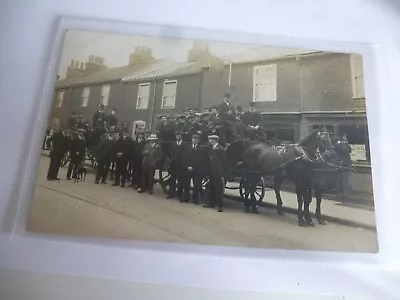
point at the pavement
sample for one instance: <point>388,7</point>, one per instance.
<point>85,209</point>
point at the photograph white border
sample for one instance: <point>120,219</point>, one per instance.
<point>182,262</point>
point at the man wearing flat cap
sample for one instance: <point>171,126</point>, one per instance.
<point>176,167</point>
<point>218,161</point>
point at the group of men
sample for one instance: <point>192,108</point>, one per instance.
<point>194,142</point>
<point>138,160</point>
<point>224,120</point>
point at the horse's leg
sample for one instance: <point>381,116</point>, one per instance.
<point>299,194</point>
<point>318,198</point>
<point>278,180</point>
<point>307,201</point>
<point>253,189</point>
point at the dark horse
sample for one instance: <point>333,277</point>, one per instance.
<point>295,162</point>
<point>330,172</point>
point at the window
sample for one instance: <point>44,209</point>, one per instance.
<point>358,139</point>
<point>143,96</point>
<point>285,135</point>
<point>264,83</point>
<point>357,75</point>
<point>60,98</point>
<point>105,92</point>
<point>85,96</point>
<point>169,94</point>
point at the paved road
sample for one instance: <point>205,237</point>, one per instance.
<point>66,207</point>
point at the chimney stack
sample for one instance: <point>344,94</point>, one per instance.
<point>75,69</point>
<point>143,56</point>
<point>95,64</point>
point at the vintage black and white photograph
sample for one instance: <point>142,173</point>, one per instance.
<point>202,142</point>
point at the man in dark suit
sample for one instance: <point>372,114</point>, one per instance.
<point>59,147</point>
<point>72,120</point>
<point>193,163</point>
<point>105,154</point>
<point>137,159</point>
<point>112,120</point>
<point>251,121</point>
<point>99,117</point>
<point>226,109</point>
<point>226,113</point>
<point>176,168</point>
<point>152,156</point>
<point>217,167</point>
<point>123,151</point>
<point>77,154</point>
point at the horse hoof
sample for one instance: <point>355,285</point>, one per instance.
<point>322,222</point>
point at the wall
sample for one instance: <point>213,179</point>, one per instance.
<point>123,97</point>
<point>188,94</point>
<point>311,83</point>
<point>327,83</point>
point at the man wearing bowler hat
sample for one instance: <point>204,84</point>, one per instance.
<point>217,167</point>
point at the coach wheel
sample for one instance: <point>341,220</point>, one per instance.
<point>244,189</point>
<point>65,160</point>
<point>164,175</point>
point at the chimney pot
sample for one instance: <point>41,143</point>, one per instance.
<point>72,63</point>
<point>76,64</point>
<point>91,58</point>
<point>82,66</point>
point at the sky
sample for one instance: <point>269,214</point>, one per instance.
<point>116,48</point>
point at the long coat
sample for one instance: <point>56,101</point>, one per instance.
<point>152,155</point>
<point>218,161</point>
<point>60,144</point>
<point>106,148</point>
<point>197,158</point>
<point>78,149</point>
<point>177,154</point>
<point>124,146</point>
<point>137,153</point>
